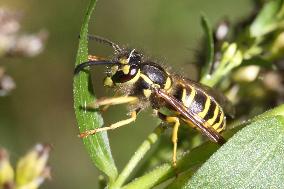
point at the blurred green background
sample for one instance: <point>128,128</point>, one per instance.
<point>40,109</point>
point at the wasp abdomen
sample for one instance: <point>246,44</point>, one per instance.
<point>202,105</point>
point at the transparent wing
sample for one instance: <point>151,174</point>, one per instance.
<point>197,121</point>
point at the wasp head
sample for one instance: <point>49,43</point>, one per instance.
<point>125,68</point>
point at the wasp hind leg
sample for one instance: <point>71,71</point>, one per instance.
<point>175,120</point>
<point>112,126</point>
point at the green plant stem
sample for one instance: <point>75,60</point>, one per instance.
<point>138,155</point>
<point>166,171</point>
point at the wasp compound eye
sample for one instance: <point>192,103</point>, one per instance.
<point>126,74</point>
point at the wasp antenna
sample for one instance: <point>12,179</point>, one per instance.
<point>81,66</point>
<point>105,41</point>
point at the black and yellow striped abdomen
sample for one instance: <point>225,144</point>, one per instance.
<point>202,105</point>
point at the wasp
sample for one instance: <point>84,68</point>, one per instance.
<point>174,98</point>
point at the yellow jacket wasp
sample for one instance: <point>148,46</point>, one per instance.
<point>145,83</point>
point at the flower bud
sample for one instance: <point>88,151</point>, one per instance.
<point>246,74</point>
<point>6,170</point>
<point>238,58</point>
<point>31,170</point>
<point>229,52</point>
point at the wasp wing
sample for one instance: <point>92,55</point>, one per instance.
<point>199,122</point>
<point>219,97</point>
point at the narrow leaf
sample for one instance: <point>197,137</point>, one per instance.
<point>267,19</point>
<point>259,62</point>
<point>252,158</point>
<point>96,145</point>
<point>210,45</point>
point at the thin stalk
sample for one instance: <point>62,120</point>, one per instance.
<point>138,155</point>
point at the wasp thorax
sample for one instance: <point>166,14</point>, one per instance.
<point>155,76</point>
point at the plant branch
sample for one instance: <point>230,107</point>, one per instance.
<point>138,155</point>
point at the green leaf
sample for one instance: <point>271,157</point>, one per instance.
<point>268,19</point>
<point>97,145</point>
<point>180,180</point>
<point>252,158</point>
<point>279,110</point>
<point>200,154</point>
<point>191,160</point>
<point>210,45</point>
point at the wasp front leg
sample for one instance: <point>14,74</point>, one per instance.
<point>175,120</point>
<point>95,58</point>
<point>112,126</point>
<point>112,101</point>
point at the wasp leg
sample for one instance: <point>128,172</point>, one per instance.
<point>112,126</point>
<point>105,107</point>
<point>95,58</point>
<point>176,122</point>
<point>112,101</point>
<point>174,136</point>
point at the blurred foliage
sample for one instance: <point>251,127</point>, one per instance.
<point>31,170</point>
<point>15,44</point>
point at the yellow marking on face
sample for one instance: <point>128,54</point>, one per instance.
<point>168,83</point>
<point>147,79</point>
<point>212,120</point>
<point>123,61</point>
<point>126,69</point>
<point>108,82</point>
<point>135,78</point>
<point>206,108</point>
<point>113,69</point>
<point>217,125</point>
<point>147,93</point>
